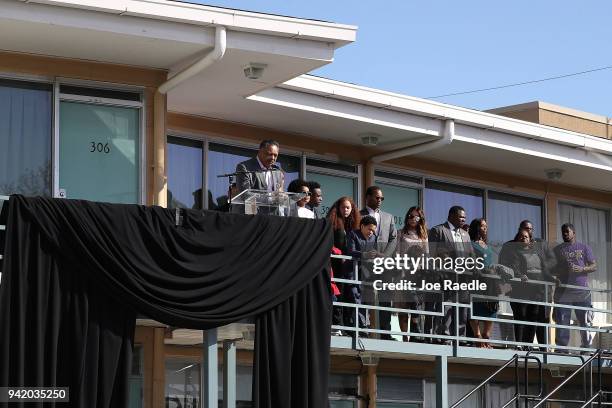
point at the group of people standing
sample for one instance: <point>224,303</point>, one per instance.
<point>368,233</point>
<point>528,260</point>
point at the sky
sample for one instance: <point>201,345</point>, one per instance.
<point>431,48</point>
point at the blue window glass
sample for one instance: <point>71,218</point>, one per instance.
<point>222,159</point>
<point>25,138</point>
<point>440,197</point>
<point>184,173</point>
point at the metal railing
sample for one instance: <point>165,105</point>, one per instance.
<point>455,338</point>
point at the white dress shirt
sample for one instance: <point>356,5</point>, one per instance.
<point>304,212</point>
<point>268,175</point>
<point>455,232</point>
<point>375,214</point>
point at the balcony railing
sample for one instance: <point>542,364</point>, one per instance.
<point>354,336</point>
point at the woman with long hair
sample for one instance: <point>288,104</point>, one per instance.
<point>344,218</point>
<point>478,235</point>
<point>411,241</point>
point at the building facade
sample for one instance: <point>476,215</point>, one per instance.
<point>149,102</point>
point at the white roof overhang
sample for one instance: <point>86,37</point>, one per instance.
<point>340,111</point>
<point>171,35</point>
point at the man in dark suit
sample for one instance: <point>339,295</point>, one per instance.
<point>316,198</point>
<point>261,172</point>
<point>449,240</point>
<point>385,242</point>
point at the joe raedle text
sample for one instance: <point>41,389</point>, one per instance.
<point>447,284</point>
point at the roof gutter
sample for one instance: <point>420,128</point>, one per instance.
<point>213,56</point>
<point>448,134</point>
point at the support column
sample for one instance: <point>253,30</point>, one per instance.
<point>209,375</point>
<point>159,369</point>
<point>372,387</point>
<point>441,382</point>
<point>160,185</point>
<point>229,374</point>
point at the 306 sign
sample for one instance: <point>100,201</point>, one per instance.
<point>99,148</point>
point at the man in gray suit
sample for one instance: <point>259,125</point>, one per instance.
<point>385,242</point>
<point>261,172</point>
<point>449,240</point>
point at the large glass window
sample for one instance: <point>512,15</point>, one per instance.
<point>399,196</point>
<point>505,212</point>
<point>593,228</point>
<point>336,180</point>
<point>439,197</point>
<point>182,383</point>
<point>136,379</point>
<point>399,392</point>
<point>184,173</point>
<point>26,112</point>
<point>342,390</point>
<point>222,159</point>
<point>99,152</point>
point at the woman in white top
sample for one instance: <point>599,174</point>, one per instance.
<point>300,186</point>
<point>412,241</point>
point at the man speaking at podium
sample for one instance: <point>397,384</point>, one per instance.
<point>261,172</point>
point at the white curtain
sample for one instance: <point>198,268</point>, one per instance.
<point>593,228</point>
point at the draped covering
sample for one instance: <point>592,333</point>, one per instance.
<point>76,273</point>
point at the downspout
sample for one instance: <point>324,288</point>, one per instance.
<point>198,66</point>
<point>448,133</point>
<point>160,186</point>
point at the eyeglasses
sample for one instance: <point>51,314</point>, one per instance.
<point>308,193</point>
<point>414,217</point>
<point>380,198</point>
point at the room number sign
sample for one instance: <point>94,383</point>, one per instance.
<point>99,148</point>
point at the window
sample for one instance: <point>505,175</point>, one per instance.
<point>136,379</point>
<point>244,386</point>
<point>222,159</point>
<point>505,212</point>
<point>342,390</point>
<point>593,228</point>
<point>182,383</point>
<point>336,179</point>
<point>26,117</point>
<point>184,173</point>
<point>399,392</point>
<point>99,153</point>
<point>400,194</point>
<point>439,197</point>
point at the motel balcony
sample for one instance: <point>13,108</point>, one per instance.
<point>214,367</point>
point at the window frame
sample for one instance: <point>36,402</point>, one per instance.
<point>59,97</point>
<point>486,188</point>
<point>207,139</point>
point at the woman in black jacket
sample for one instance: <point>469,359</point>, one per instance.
<point>530,261</point>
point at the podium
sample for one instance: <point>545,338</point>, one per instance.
<point>265,202</point>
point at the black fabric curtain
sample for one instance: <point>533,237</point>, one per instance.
<point>76,273</point>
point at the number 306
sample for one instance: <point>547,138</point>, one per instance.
<point>99,147</point>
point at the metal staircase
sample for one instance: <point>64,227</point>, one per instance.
<point>591,398</point>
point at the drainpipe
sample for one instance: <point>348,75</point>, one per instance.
<point>448,133</point>
<point>160,186</point>
<point>198,66</point>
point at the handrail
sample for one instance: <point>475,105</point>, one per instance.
<point>517,394</point>
<point>596,355</point>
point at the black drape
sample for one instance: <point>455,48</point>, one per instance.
<point>76,273</point>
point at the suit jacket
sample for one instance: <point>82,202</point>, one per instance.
<point>255,180</point>
<point>387,237</point>
<point>442,237</point>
